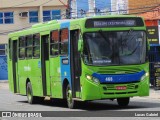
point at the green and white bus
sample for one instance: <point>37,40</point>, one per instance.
<point>101,57</point>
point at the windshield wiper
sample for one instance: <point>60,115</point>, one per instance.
<point>134,49</point>
<point>125,37</point>
<point>130,31</point>
<point>103,36</point>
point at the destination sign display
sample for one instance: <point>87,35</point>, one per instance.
<point>113,23</point>
<point>117,22</point>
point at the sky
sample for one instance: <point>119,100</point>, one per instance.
<point>103,4</point>
<point>82,4</point>
<point>99,4</point>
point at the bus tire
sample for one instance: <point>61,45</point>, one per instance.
<point>39,99</point>
<point>70,102</point>
<point>123,101</point>
<point>30,97</point>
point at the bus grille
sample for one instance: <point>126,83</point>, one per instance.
<point>116,93</point>
<point>110,89</point>
<point>113,86</point>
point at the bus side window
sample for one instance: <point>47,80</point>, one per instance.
<point>22,46</point>
<point>64,42</point>
<point>36,45</point>
<point>29,41</point>
<point>54,43</point>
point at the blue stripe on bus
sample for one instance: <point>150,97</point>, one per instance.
<point>65,68</point>
<point>120,78</point>
<point>154,44</point>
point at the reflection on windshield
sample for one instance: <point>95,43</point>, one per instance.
<point>114,48</point>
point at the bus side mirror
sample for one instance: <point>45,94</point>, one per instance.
<point>80,45</point>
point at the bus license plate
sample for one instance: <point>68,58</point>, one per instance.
<point>121,87</point>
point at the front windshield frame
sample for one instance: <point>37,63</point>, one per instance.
<point>144,38</point>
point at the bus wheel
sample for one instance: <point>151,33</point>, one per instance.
<point>123,101</point>
<point>30,97</point>
<point>70,102</point>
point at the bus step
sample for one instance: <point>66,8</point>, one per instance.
<point>77,99</point>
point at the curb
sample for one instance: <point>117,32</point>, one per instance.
<point>3,81</point>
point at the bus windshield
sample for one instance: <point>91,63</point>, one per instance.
<point>114,48</point>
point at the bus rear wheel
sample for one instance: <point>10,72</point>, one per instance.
<point>30,97</point>
<point>123,101</point>
<point>70,102</point>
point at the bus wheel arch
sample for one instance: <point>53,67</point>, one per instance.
<point>65,84</point>
<point>71,103</point>
<point>29,92</point>
<point>67,95</point>
<point>27,80</point>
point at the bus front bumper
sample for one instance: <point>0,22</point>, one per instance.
<point>92,91</point>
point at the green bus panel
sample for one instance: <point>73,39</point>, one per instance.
<point>34,74</point>
<point>56,85</point>
<point>10,76</point>
<point>22,75</point>
<point>48,79</point>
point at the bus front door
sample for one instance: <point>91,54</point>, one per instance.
<point>75,62</point>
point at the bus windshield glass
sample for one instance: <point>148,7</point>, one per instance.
<point>114,48</point>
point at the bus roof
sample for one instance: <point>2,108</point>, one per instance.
<point>39,26</point>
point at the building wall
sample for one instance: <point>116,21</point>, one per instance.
<point>19,22</point>
<point>119,7</point>
<point>30,3</point>
<point>151,22</point>
<point>19,6</point>
<point>159,30</point>
<point>83,8</point>
<point>137,6</point>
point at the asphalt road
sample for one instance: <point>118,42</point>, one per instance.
<point>13,102</point>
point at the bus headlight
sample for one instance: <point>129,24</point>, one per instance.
<point>89,77</point>
<point>93,79</point>
<point>144,76</point>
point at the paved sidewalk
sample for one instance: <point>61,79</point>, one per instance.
<point>4,84</point>
<point>154,94</point>
<point>3,81</point>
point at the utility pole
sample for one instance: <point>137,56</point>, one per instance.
<point>72,5</point>
<point>68,10</point>
<point>71,12</point>
<point>92,7</point>
<point>40,13</point>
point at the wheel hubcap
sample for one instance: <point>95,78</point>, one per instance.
<point>29,95</point>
